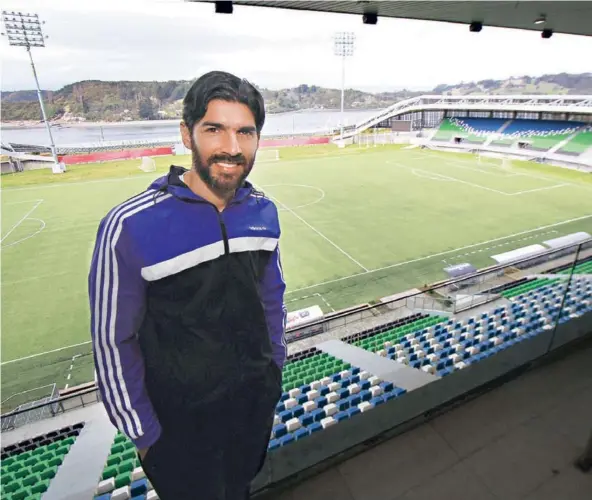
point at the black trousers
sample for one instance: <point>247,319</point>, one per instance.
<point>213,453</point>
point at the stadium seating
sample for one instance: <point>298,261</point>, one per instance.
<point>508,286</point>
<point>29,466</point>
<point>321,391</point>
<point>383,328</point>
<point>453,127</point>
<point>584,266</point>
<point>524,128</point>
<point>392,335</point>
<point>527,287</point>
<point>578,144</point>
<point>481,126</point>
<point>456,344</point>
<point>123,471</point>
<point>541,135</point>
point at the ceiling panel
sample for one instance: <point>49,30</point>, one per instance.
<point>573,17</point>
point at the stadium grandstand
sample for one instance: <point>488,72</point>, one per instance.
<point>551,129</point>
<point>474,386</point>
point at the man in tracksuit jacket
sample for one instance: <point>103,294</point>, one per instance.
<point>187,310</point>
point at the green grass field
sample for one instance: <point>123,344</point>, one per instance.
<point>358,224</point>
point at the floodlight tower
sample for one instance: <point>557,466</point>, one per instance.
<point>24,30</point>
<point>343,45</point>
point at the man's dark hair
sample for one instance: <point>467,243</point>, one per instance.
<point>226,87</point>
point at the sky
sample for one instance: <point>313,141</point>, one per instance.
<point>175,40</point>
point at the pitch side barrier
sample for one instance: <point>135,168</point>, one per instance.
<point>86,397</point>
<point>479,282</point>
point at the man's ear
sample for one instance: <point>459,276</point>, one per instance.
<point>185,135</point>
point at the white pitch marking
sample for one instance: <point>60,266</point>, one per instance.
<point>300,185</point>
<point>20,202</point>
<point>432,176</point>
<point>454,179</point>
<point>33,278</point>
<point>318,232</point>
<point>41,228</point>
<point>537,189</point>
<point>20,221</point>
<point>43,353</point>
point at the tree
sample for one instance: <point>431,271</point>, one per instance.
<point>145,109</point>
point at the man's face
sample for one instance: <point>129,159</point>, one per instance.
<point>223,145</point>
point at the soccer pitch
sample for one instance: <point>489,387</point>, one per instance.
<point>358,224</point>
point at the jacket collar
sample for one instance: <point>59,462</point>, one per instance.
<point>172,183</point>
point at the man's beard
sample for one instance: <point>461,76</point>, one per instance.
<point>220,183</point>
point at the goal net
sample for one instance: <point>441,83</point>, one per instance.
<point>266,155</point>
<point>495,160</point>
<point>148,164</point>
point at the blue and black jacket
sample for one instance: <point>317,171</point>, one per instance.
<point>186,304</point>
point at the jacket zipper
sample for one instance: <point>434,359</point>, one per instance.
<point>224,232</point>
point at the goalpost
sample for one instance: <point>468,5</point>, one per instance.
<point>268,155</point>
<point>505,162</point>
<point>148,164</point>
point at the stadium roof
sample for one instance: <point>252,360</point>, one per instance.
<point>561,17</point>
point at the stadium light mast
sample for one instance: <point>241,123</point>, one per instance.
<point>343,46</point>
<point>24,30</point>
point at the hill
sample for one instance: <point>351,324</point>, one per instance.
<point>95,100</point>
<point>562,83</point>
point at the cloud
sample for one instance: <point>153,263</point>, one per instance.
<point>172,39</point>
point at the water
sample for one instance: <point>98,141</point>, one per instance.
<point>298,122</point>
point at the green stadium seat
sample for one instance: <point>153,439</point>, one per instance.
<point>7,478</point>
<point>47,456</point>
<point>31,461</point>
<point>49,473</point>
<point>12,486</point>
<point>123,479</point>
<point>129,454</point>
<point>127,466</point>
<point>30,480</point>
<point>21,473</point>
<point>117,448</point>
<point>22,494</point>
<point>113,460</point>
<point>40,487</point>
<point>14,467</point>
<point>56,461</point>
<point>109,472</point>
<point>39,467</point>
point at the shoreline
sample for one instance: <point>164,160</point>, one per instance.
<point>27,124</point>
<point>68,124</point>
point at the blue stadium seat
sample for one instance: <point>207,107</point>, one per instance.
<point>301,433</point>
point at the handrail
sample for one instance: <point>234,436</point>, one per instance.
<point>61,399</point>
<point>448,282</point>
